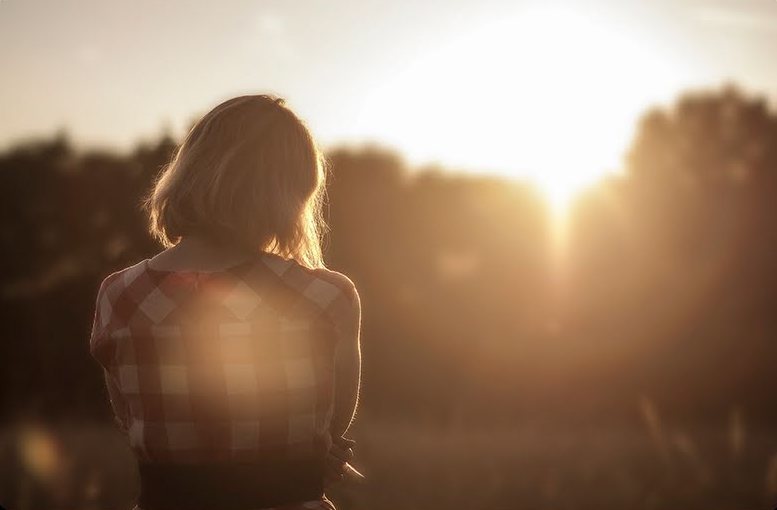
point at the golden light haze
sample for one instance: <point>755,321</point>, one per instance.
<point>548,91</point>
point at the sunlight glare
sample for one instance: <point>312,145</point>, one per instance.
<point>550,95</point>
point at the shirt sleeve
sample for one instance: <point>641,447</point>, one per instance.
<point>345,313</point>
<point>345,309</point>
<point>100,350</point>
<point>101,317</point>
<point>117,401</point>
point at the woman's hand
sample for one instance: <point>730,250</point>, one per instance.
<point>340,453</point>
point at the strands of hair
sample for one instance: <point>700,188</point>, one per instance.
<point>249,174</point>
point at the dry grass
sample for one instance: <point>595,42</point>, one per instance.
<point>415,467</point>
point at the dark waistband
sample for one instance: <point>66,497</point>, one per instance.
<point>229,486</point>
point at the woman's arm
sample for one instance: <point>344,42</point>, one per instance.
<point>118,404</point>
<point>347,365</point>
<point>97,348</point>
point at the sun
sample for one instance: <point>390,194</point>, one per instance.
<point>548,95</point>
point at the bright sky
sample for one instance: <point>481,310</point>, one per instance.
<point>544,89</point>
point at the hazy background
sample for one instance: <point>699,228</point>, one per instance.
<point>423,77</point>
<point>560,217</point>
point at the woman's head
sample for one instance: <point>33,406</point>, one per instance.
<point>248,173</point>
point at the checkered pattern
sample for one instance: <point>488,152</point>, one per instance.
<point>222,366</point>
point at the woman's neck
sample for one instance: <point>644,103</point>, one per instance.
<point>199,253</point>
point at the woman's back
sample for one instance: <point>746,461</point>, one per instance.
<point>232,358</point>
<point>223,375</point>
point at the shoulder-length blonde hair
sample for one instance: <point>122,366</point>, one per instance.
<point>250,174</point>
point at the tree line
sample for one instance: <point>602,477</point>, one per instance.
<point>666,287</point>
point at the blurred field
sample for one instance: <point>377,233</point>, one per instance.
<point>412,466</point>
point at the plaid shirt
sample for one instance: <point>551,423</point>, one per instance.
<point>223,366</point>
